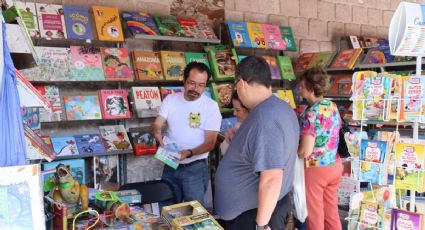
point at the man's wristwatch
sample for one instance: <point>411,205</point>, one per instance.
<point>191,153</point>
<point>264,227</point>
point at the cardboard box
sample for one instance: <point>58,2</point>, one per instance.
<point>188,215</point>
<point>131,196</point>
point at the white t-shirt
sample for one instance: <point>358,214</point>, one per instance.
<point>188,120</point>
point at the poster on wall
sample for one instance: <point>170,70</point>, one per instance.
<point>407,30</point>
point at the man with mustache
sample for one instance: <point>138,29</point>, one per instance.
<point>193,121</point>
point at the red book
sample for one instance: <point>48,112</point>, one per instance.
<point>114,103</point>
<point>303,61</point>
<point>189,26</point>
<point>346,58</point>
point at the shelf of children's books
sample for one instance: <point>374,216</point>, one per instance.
<point>392,64</point>
<point>124,83</point>
<point>390,123</point>
<point>67,42</point>
<point>91,121</point>
<point>172,38</point>
<point>114,152</point>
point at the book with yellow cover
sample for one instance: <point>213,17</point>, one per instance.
<point>410,159</point>
<point>256,34</point>
<point>287,96</point>
<point>108,23</point>
<point>173,64</point>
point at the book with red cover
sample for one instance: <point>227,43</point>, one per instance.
<point>189,26</point>
<point>340,85</point>
<point>114,103</point>
<point>346,59</point>
<point>303,61</point>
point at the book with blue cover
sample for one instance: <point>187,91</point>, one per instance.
<point>89,143</point>
<point>64,146</point>
<point>239,33</point>
<point>77,21</point>
<point>140,23</point>
<point>77,167</point>
<point>372,156</point>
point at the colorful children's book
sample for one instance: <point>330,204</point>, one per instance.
<point>205,30</point>
<point>285,66</point>
<point>78,24</point>
<point>288,38</point>
<point>256,35</point>
<point>173,64</point>
<point>370,216</point>
<point>106,172</point>
<point>372,156</point>
<point>340,85</point>
<point>197,57</point>
<point>116,64</point>
<point>86,64</point>
<point>239,33</point>
<point>223,64</point>
<point>51,21</point>
<point>346,59</point>
<point>47,140</point>
<point>51,93</point>
<point>144,142</point>
<point>166,90</point>
<point>64,146</point>
<point>31,117</point>
<point>89,143</point>
<point>222,93</point>
<point>274,68</point>
<point>322,59</point>
<point>108,23</point>
<point>115,138</point>
<point>77,167</point>
<point>29,17</point>
<point>273,37</point>
<point>114,103</point>
<point>168,25</point>
<point>82,107</point>
<point>147,65</point>
<point>410,160</point>
<point>189,26</point>
<point>303,61</point>
<point>147,101</point>
<point>287,96</point>
<point>169,155</point>
<point>140,23</point>
<point>412,94</point>
<point>402,219</point>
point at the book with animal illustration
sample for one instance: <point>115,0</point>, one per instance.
<point>147,101</point>
<point>285,67</point>
<point>412,95</point>
<point>51,93</point>
<point>51,21</point>
<point>82,107</point>
<point>116,64</point>
<point>108,23</point>
<point>114,103</point>
<point>239,33</point>
<point>222,94</point>
<point>322,59</point>
<point>78,24</point>
<point>168,25</point>
<point>372,157</point>
<point>303,61</point>
<point>340,84</point>
<point>288,38</point>
<point>166,90</point>
<point>402,219</point>
<point>190,27</point>
<point>287,96</point>
<point>169,155</point>
<point>223,63</point>
<point>410,160</point>
<point>140,23</point>
<point>144,142</point>
<point>106,172</point>
<point>273,66</point>
<point>28,14</point>
<point>77,167</point>
<point>370,216</point>
<point>346,59</point>
<point>173,64</point>
<point>89,143</point>
<point>31,117</point>
<point>197,57</point>
<point>115,138</point>
<point>147,65</point>
<point>256,35</point>
<point>86,63</point>
<point>64,146</point>
<point>273,37</point>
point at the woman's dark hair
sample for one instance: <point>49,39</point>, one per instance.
<point>253,69</point>
<point>316,79</point>
<point>235,96</point>
<point>201,67</point>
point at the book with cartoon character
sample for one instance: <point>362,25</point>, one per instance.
<point>51,93</point>
<point>116,64</point>
<point>78,24</point>
<point>108,23</point>
<point>223,63</point>
<point>322,59</point>
<point>370,216</point>
<point>273,37</point>
<point>412,95</point>
<point>144,142</point>
<point>303,61</point>
<point>256,35</point>
<point>410,160</point>
<point>341,84</point>
<point>89,143</point>
<point>288,38</point>
<point>239,33</point>
<point>140,23</point>
<point>147,101</point>
<point>190,27</point>
<point>82,107</point>
<point>115,138</point>
<point>372,156</point>
<point>31,117</point>
<point>147,65</point>
<point>274,68</point>
<point>114,103</point>
<point>285,67</point>
<point>51,21</point>
<point>173,64</point>
<point>86,64</point>
<point>222,93</point>
<point>29,17</point>
<point>64,146</point>
<point>169,26</point>
<point>402,219</point>
<point>346,59</point>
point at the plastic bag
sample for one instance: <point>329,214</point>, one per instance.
<point>299,191</point>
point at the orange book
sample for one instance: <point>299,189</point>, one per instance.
<point>108,23</point>
<point>346,59</point>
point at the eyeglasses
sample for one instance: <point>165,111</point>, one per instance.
<point>194,84</point>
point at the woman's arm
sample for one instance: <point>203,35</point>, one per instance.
<point>306,145</point>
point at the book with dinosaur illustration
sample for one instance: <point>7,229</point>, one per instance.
<point>106,172</point>
<point>86,63</point>
<point>222,94</point>
<point>197,57</point>
<point>29,17</point>
<point>31,117</point>
<point>288,38</point>
<point>77,21</point>
<point>256,35</point>
<point>116,64</point>
<point>144,142</point>
<point>190,27</point>
<point>410,160</point>
<point>115,138</point>
<point>273,66</point>
<point>273,37</point>
<point>322,59</point>
<point>223,63</point>
<point>89,143</point>
<point>402,219</point>
<point>108,23</point>
<point>140,23</point>
<point>285,67</point>
<point>64,146</point>
<point>372,157</point>
<point>147,101</point>
<point>239,33</point>
<point>166,90</point>
<point>77,167</point>
<point>51,93</point>
<point>412,94</point>
<point>51,21</point>
<point>168,25</point>
<point>303,61</point>
<point>346,59</point>
<point>114,103</point>
<point>147,65</point>
<point>82,107</point>
<point>173,64</point>
<point>287,96</point>
<point>340,85</point>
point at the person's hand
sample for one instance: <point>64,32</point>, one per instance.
<point>184,154</point>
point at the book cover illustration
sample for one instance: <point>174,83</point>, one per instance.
<point>169,155</point>
<point>116,64</point>
<point>223,64</point>
<point>322,59</point>
<point>205,30</point>
<point>303,61</point>
<point>168,25</point>
<point>197,57</point>
<point>114,103</point>
<point>140,23</point>
<point>372,156</point>
<point>288,38</point>
<point>166,90</point>
<point>287,96</point>
<point>190,27</point>
<point>86,64</point>
<point>273,37</point>
<point>77,167</point>
<point>370,216</point>
<point>89,143</point>
<point>402,219</point>
<point>340,84</point>
<point>51,21</point>
<point>147,65</point>
<point>21,198</point>
<point>256,35</point>
<point>77,21</point>
<point>222,93</point>
<point>346,59</point>
<point>64,146</point>
<point>173,64</point>
<point>29,17</point>
<point>412,95</point>
<point>108,23</point>
<point>36,146</point>
<point>47,140</point>
<point>285,67</point>
<point>51,93</point>
<point>106,173</point>
<point>274,68</point>
<point>410,159</point>
<point>31,117</point>
<point>239,33</point>
<point>82,107</point>
<point>143,142</point>
<point>147,101</point>
<point>115,137</point>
